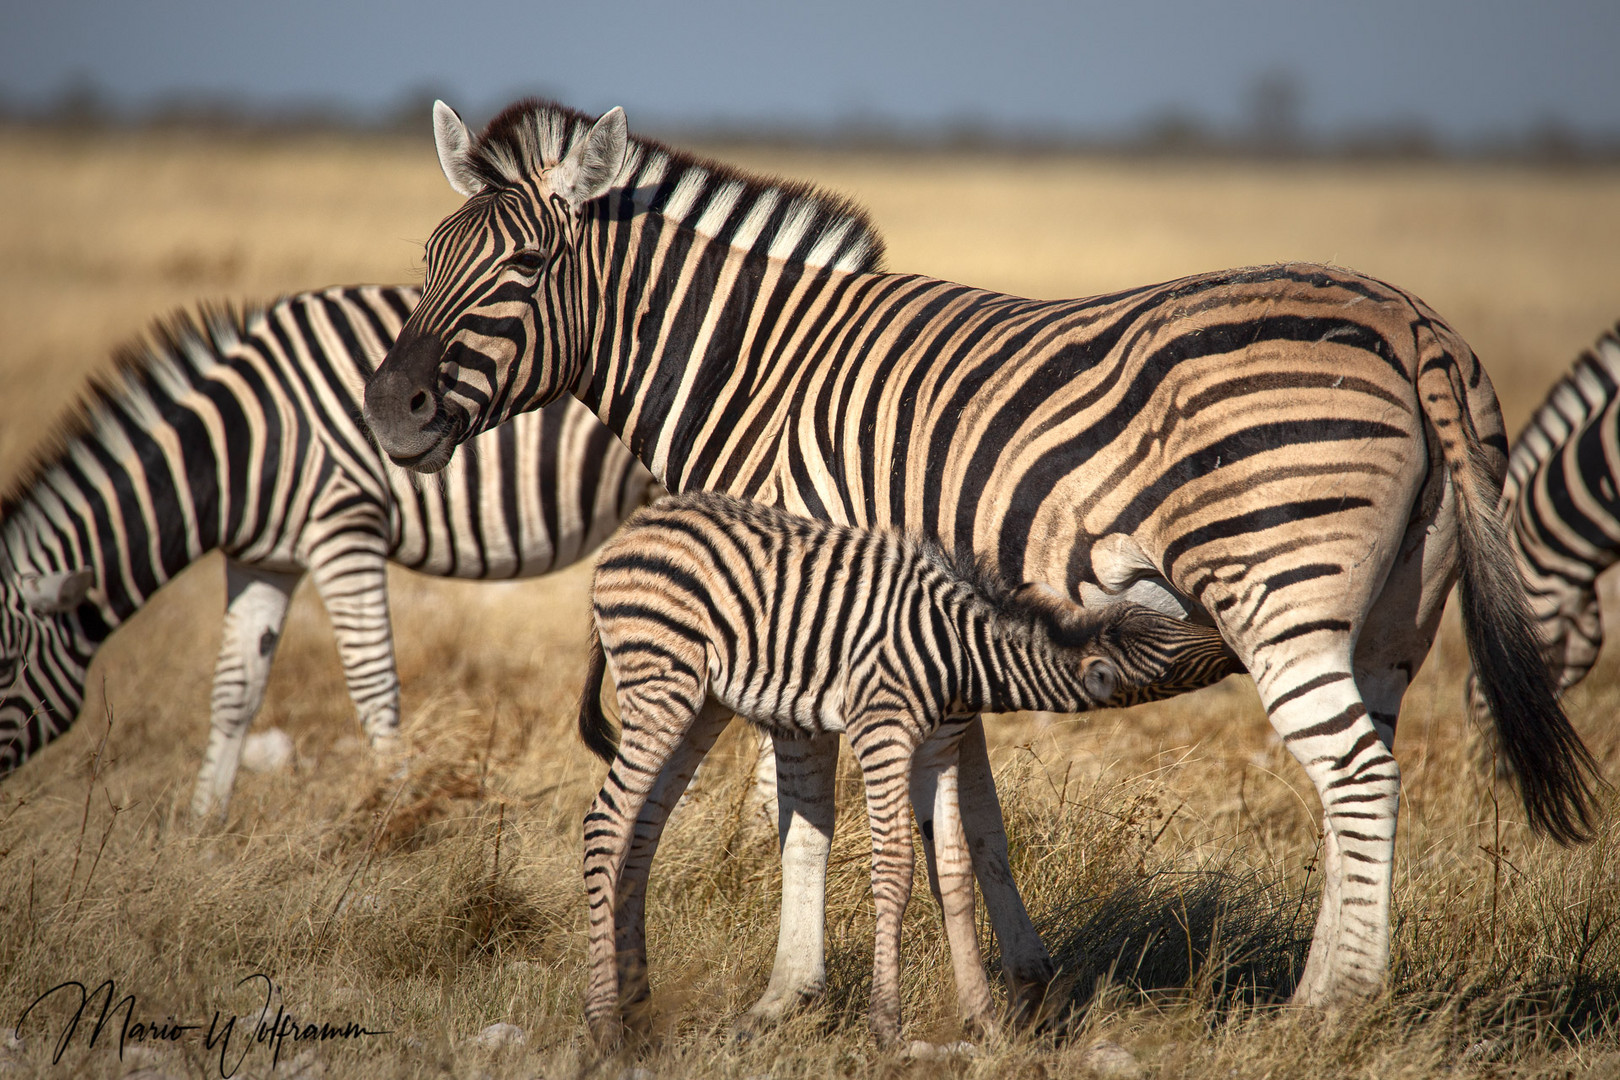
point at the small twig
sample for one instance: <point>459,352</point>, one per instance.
<point>1496,862</point>
<point>500,827</point>
<point>1166,824</point>
<point>105,833</point>
<point>489,748</point>
<point>371,848</point>
<point>89,790</point>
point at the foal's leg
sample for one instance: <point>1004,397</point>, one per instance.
<point>631,923</point>
<point>1025,963</point>
<point>884,746</point>
<point>950,869</point>
<point>654,720</point>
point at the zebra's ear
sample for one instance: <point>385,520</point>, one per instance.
<point>454,142</point>
<point>1101,679</point>
<point>52,594</point>
<point>592,167</point>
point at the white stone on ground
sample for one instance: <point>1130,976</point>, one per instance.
<point>1110,1060</point>
<point>920,1050</point>
<point>496,1036</point>
<point>267,751</point>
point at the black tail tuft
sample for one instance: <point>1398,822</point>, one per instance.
<point>1555,773</point>
<point>594,727</point>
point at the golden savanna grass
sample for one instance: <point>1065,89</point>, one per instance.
<point>1168,853</point>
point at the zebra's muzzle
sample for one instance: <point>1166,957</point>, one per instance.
<point>403,407</point>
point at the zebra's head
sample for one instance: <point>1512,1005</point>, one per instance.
<point>498,330</point>
<point>44,654</point>
<point>1129,653</point>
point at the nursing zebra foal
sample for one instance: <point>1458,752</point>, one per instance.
<point>241,433</point>
<point>1304,457</point>
<point>706,605</point>
<point>1562,503</point>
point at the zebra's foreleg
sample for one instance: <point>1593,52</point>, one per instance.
<point>255,611</point>
<point>631,921</point>
<point>884,746</point>
<point>350,570</point>
<point>1025,963</point>
<point>934,772</point>
<point>806,771</point>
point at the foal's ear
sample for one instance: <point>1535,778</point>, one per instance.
<point>454,142</point>
<point>1040,594</point>
<point>592,167</point>
<point>1101,679</point>
<point>52,594</point>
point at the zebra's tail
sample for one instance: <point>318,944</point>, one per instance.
<point>1555,773</point>
<point>594,727</point>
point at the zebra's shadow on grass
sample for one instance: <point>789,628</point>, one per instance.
<point>1216,937</point>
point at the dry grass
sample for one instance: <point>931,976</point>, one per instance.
<point>1167,852</point>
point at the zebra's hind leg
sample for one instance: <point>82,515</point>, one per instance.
<point>255,611</point>
<point>655,718</point>
<point>806,771</point>
<point>350,570</point>
<point>884,745</point>
<point>631,923</point>
<point>1315,705</point>
<point>934,793</point>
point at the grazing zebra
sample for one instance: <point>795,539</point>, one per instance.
<point>1562,506</point>
<point>242,433</point>
<point>1302,455</point>
<point>707,605</point>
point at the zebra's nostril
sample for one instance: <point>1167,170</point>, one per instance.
<point>419,401</point>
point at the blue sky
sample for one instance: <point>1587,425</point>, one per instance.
<point>1466,69</point>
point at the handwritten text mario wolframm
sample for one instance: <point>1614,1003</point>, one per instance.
<point>221,1034</point>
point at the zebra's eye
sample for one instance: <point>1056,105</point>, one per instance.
<point>527,262</point>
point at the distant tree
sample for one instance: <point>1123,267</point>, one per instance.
<point>1274,105</point>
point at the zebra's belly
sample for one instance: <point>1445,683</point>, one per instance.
<point>794,709</point>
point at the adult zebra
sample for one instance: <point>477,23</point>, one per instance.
<point>241,432</point>
<point>1303,455</point>
<point>1562,506</point>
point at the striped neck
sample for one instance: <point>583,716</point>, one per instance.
<point>675,323</point>
<point>1013,665</point>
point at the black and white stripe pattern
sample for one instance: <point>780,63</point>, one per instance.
<point>242,433</point>
<point>1562,503</point>
<point>705,603</point>
<point>1251,447</point>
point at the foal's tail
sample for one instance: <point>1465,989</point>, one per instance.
<point>594,727</point>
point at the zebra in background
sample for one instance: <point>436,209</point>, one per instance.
<point>241,432</point>
<point>1562,504</point>
<point>1250,448</point>
<point>706,605</point>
